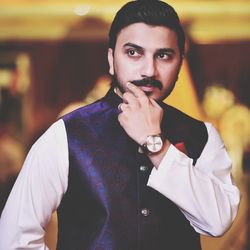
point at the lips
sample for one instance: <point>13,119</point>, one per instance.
<point>147,88</point>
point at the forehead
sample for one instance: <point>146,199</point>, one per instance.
<point>147,36</point>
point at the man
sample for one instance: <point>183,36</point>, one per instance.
<point>128,171</point>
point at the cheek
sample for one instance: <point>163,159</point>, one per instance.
<point>126,70</point>
<point>170,72</point>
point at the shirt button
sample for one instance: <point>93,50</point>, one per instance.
<point>143,168</point>
<point>145,212</point>
<point>140,150</point>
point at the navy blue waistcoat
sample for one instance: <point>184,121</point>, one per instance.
<point>108,205</point>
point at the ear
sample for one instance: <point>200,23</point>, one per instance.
<point>180,65</point>
<point>182,59</point>
<point>179,68</point>
<point>111,61</point>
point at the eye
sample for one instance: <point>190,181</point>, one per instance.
<point>132,53</point>
<point>164,56</point>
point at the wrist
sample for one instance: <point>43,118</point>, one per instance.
<point>157,157</point>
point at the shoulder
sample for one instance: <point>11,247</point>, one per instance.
<point>86,112</point>
<point>176,120</point>
<point>180,116</point>
<point>52,143</point>
<point>181,127</point>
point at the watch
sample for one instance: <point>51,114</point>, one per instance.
<point>153,144</point>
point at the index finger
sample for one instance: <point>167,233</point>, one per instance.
<point>135,90</point>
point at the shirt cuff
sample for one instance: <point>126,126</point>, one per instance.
<point>172,159</point>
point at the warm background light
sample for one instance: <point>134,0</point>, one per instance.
<point>57,37</point>
<point>208,21</point>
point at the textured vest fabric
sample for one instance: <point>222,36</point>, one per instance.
<point>102,208</point>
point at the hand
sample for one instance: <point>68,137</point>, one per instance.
<point>141,115</point>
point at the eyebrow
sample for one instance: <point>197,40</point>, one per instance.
<point>161,50</point>
<point>137,47</point>
<point>166,50</point>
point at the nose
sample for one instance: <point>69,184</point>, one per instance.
<point>148,68</point>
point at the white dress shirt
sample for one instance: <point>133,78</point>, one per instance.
<point>207,195</point>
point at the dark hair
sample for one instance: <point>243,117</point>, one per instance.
<point>151,12</point>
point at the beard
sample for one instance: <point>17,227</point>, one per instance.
<point>115,83</point>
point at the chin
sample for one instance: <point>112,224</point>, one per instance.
<point>157,96</point>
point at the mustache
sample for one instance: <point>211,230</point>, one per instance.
<point>148,81</point>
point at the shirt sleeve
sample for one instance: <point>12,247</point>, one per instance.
<point>37,192</point>
<point>205,193</point>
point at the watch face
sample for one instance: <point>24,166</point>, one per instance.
<point>154,143</point>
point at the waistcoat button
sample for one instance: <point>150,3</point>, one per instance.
<point>145,212</point>
<point>143,168</point>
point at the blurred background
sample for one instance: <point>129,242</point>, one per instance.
<point>53,60</point>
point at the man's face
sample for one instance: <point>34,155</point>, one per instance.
<point>147,56</point>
